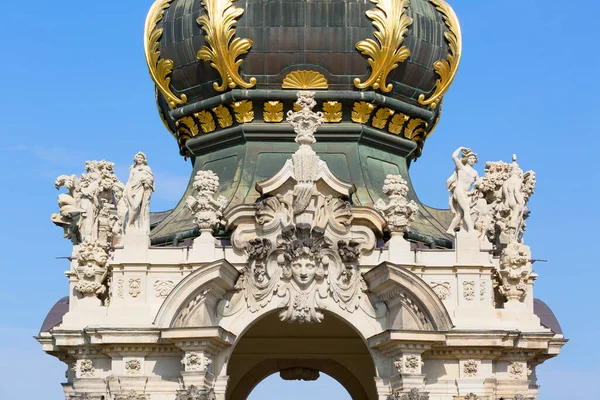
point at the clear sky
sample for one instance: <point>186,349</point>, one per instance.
<point>76,88</point>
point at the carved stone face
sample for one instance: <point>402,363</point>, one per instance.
<point>303,271</point>
<point>471,160</point>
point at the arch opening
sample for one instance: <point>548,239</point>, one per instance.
<point>332,347</point>
<point>324,388</point>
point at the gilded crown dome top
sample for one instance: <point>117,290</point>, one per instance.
<point>401,54</point>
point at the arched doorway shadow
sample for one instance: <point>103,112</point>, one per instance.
<point>331,347</point>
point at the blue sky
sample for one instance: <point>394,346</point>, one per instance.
<point>76,87</point>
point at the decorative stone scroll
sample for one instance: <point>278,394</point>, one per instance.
<point>207,210</point>
<point>303,244</point>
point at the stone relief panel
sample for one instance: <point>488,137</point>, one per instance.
<point>86,369</point>
<point>196,362</point>
<point>413,394</point>
<point>163,287</point>
<point>131,395</point>
<point>135,286</point>
<point>469,290</point>
<point>517,370</point>
<point>195,393</point>
<point>470,368</point>
<point>133,367</point>
<point>441,289</point>
<point>409,364</point>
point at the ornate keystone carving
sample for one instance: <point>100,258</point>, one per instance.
<point>196,362</point>
<point>515,269</point>
<point>303,244</point>
<point>91,269</point>
<point>195,393</point>
<point>399,213</point>
<point>459,186</point>
<point>470,368</point>
<point>207,210</point>
<point>88,209</point>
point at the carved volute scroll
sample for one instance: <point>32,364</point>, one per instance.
<point>304,239</point>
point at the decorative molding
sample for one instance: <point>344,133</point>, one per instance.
<point>361,112</point>
<point>160,69</point>
<point>224,117</point>
<point>391,23</point>
<point>197,362</point>
<point>207,121</point>
<point>397,123</point>
<point>305,80</point>
<point>332,111</point>
<point>482,290</point>
<point>469,290</point>
<point>133,367</point>
<point>120,284</point>
<point>470,368</point>
<point>446,69</point>
<point>135,286</point>
<point>162,288</point>
<point>243,111</point>
<point>223,50</point>
<point>273,111</point>
<point>381,117</point>
<point>442,289</point>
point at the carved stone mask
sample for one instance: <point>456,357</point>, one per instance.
<point>303,271</point>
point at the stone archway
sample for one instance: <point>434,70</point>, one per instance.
<point>271,346</point>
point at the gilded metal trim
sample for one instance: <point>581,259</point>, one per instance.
<point>381,117</point>
<point>207,122</point>
<point>361,112</point>
<point>222,51</point>
<point>223,116</point>
<point>416,127</point>
<point>243,111</point>
<point>160,69</point>
<point>305,80</point>
<point>273,111</point>
<point>397,123</point>
<point>391,24</point>
<point>446,69</point>
<point>332,111</point>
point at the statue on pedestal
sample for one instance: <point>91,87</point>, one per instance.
<point>459,186</point>
<point>137,193</point>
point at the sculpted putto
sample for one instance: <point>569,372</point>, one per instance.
<point>459,186</point>
<point>137,193</point>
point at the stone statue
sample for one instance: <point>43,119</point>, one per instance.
<point>399,213</point>
<point>205,206</point>
<point>137,193</point>
<point>459,186</point>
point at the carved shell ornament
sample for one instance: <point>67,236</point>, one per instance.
<point>304,80</point>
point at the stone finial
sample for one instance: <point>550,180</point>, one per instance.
<point>459,185</point>
<point>137,193</point>
<point>91,269</point>
<point>399,213</point>
<point>515,269</point>
<point>305,121</point>
<point>207,210</point>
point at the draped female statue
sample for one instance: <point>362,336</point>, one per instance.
<point>137,193</point>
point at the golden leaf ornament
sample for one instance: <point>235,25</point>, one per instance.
<point>273,111</point>
<point>223,116</point>
<point>223,49</point>
<point>160,69</point>
<point>397,123</point>
<point>243,111</point>
<point>361,112</point>
<point>381,117</point>
<point>332,111</point>
<point>391,24</point>
<point>207,122</point>
<point>446,69</point>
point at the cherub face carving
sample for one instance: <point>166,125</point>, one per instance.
<point>303,271</point>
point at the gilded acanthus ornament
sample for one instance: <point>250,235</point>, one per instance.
<point>361,112</point>
<point>223,49</point>
<point>160,69</point>
<point>391,23</point>
<point>399,212</point>
<point>207,122</point>
<point>381,117</point>
<point>397,123</point>
<point>273,111</point>
<point>243,111</point>
<point>459,185</point>
<point>446,69</point>
<point>332,111</point>
<point>223,116</point>
<point>206,208</point>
